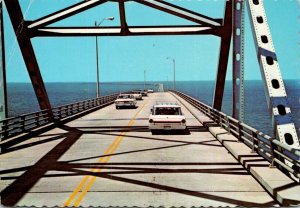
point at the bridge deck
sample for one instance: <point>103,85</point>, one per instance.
<point>110,158</point>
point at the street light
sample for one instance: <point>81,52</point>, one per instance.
<point>173,71</point>
<point>97,62</point>
<point>144,79</point>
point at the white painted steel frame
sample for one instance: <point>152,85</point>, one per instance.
<point>274,87</point>
<point>60,31</point>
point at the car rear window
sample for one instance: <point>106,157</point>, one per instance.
<point>124,96</point>
<point>167,111</point>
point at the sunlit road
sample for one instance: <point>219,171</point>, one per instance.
<point>110,158</point>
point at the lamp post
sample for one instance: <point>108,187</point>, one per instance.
<point>173,71</point>
<point>144,79</point>
<point>97,62</point>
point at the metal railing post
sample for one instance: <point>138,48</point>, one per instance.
<point>37,119</point>
<point>240,132</point>
<point>4,128</point>
<point>22,123</point>
<point>254,142</point>
<point>272,148</point>
<point>59,112</point>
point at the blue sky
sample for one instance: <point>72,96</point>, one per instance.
<point>125,58</point>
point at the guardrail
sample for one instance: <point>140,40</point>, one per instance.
<point>271,149</point>
<point>17,125</point>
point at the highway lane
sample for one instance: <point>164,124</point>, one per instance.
<point>110,158</point>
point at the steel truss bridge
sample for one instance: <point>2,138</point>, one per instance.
<point>62,137</point>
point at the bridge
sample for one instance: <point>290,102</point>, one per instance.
<point>99,156</point>
<point>89,153</point>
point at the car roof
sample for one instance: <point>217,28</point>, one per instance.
<point>125,94</point>
<point>167,104</point>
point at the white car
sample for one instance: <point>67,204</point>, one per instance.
<point>150,90</point>
<point>137,95</point>
<point>167,116</point>
<point>125,100</point>
<point>144,93</point>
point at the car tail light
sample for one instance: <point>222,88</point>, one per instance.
<point>150,121</point>
<point>183,121</point>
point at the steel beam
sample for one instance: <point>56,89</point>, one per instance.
<point>238,61</point>
<point>132,31</point>
<point>27,51</point>
<point>223,57</point>
<point>3,94</point>
<point>180,12</point>
<point>124,27</point>
<point>64,13</point>
<point>276,96</point>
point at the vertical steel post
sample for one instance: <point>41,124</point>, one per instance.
<point>223,56</point>
<point>97,65</point>
<point>174,85</point>
<point>3,95</point>
<point>144,79</point>
<point>238,61</point>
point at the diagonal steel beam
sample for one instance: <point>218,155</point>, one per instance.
<point>223,56</point>
<point>180,12</point>
<point>283,125</point>
<point>66,12</point>
<point>27,51</point>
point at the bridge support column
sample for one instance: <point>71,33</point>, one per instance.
<point>238,61</point>
<point>3,96</point>
<point>223,57</point>
<point>21,31</point>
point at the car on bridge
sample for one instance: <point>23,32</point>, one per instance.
<point>166,116</point>
<point>150,90</point>
<point>137,95</point>
<point>125,100</point>
<point>144,93</point>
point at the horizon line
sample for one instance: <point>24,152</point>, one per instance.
<point>140,81</point>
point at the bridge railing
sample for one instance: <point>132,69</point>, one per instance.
<point>271,149</point>
<point>24,123</point>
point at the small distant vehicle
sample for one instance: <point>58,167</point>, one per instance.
<point>125,100</point>
<point>166,116</point>
<point>150,90</point>
<point>144,93</point>
<point>137,95</point>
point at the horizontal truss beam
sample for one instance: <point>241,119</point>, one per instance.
<point>132,31</point>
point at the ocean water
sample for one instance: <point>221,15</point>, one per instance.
<point>21,98</point>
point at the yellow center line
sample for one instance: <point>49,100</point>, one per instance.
<point>82,183</point>
<point>112,148</point>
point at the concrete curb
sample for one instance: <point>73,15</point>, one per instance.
<point>285,190</point>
